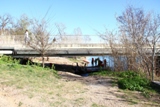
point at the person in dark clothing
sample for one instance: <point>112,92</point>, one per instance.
<point>92,61</point>
<point>96,60</point>
<point>100,63</point>
<point>105,63</point>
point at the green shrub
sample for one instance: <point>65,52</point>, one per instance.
<point>105,73</point>
<point>127,79</point>
<point>128,74</point>
<point>8,59</point>
<point>5,58</point>
<point>133,81</point>
<point>14,64</point>
<point>101,73</point>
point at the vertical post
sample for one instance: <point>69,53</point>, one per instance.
<point>153,61</point>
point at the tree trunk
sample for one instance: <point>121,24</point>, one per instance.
<point>153,62</point>
<point>43,61</point>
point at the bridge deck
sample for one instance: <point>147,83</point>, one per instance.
<point>7,48</point>
<point>64,52</point>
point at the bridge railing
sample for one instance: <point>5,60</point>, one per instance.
<point>79,45</point>
<point>17,41</point>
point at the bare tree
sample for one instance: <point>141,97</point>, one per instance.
<point>111,39</point>
<point>63,37</point>
<point>87,38</point>
<point>40,40</point>
<point>61,32</point>
<point>77,35</point>
<point>5,21</point>
<point>153,40</point>
<point>21,25</point>
<point>141,30</point>
<point>138,36</point>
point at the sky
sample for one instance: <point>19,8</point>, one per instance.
<point>88,15</point>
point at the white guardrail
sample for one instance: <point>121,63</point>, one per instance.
<point>17,41</point>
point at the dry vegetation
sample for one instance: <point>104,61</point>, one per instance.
<point>32,86</point>
<point>137,37</point>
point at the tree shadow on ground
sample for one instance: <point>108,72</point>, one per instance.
<point>69,73</point>
<point>88,80</point>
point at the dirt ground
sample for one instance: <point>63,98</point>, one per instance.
<point>99,92</point>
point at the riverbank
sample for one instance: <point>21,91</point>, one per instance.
<point>72,90</point>
<point>31,87</point>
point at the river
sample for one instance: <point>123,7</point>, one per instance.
<point>108,58</point>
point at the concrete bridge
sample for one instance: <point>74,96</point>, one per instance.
<point>58,50</point>
<point>11,46</point>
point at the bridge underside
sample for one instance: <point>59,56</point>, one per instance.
<point>60,52</point>
<point>63,52</point>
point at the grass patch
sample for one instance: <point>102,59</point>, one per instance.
<point>96,105</point>
<point>133,81</point>
<point>45,84</point>
<point>80,100</point>
<point>128,80</point>
<point>20,104</point>
<point>23,76</point>
<point>36,82</point>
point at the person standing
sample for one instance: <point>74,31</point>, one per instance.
<point>96,60</point>
<point>105,63</point>
<point>92,61</point>
<point>26,37</point>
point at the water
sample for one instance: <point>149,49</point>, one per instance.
<point>108,58</point>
